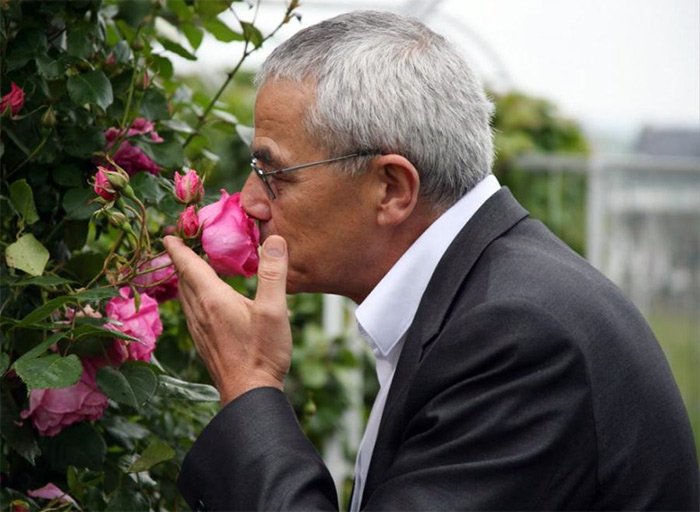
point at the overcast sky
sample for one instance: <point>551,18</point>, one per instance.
<point>607,63</point>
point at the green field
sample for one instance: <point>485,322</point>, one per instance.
<point>680,339</point>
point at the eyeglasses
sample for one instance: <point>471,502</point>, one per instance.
<point>264,175</point>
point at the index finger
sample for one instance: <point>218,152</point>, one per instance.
<point>192,270</point>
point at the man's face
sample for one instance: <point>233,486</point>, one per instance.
<point>324,215</point>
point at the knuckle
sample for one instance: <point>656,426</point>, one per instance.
<point>271,272</point>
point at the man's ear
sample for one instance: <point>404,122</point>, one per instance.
<point>399,185</point>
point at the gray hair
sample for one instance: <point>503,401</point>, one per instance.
<point>387,82</point>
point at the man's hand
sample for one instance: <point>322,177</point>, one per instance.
<point>244,343</point>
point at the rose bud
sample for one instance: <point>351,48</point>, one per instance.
<point>229,237</point>
<point>189,188</point>
<point>117,177</point>
<point>102,186</point>
<point>188,223</point>
<point>13,100</point>
<point>116,218</point>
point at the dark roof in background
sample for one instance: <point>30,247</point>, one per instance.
<point>669,142</point>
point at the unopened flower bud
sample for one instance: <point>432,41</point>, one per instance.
<point>116,218</point>
<point>189,188</point>
<point>102,186</point>
<point>188,223</point>
<point>49,118</point>
<point>118,178</point>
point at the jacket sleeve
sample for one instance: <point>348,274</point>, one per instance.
<point>254,456</point>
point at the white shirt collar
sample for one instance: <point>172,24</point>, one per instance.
<point>387,312</point>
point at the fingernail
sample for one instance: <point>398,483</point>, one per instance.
<point>274,247</point>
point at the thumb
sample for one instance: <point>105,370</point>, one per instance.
<point>272,273</point>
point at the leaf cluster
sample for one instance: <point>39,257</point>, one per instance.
<point>87,66</point>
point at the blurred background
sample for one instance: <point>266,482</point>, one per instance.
<point>598,134</point>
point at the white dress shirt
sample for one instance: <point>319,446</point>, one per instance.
<point>385,315</point>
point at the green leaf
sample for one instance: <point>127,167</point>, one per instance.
<point>4,362</point>
<point>170,387</point>
<point>142,379</point>
<point>49,68</point>
<point>79,445</point>
<point>154,105</point>
<point>147,186</point>
<point>85,265</point>
<point>162,66</point>
<point>193,34</point>
<point>18,434</point>
<point>27,254</point>
<point>168,154</point>
<point>82,141</point>
<point>221,31</point>
<point>87,330</point>
<point>38,350</point>
<point>245,133</point>
<point>156,452</point>
<point>122,52</point>
<point>52,371</point>
<point>313,374</point>
<point>44,310</point>
<point>92,88</point>
<point>93,294</point>
<point>68,175</point>
<point>22,198</point>
<point>224,116</point>
<point>27,44</point>
<point>176,49</point>
<point>252,34</point>
<point>126,500</point>
<point>77,203</point>
<point>180,8</point>
<point>114,384</point>
<point>177,125</point>
<point>96,294</point>
<point>80,40</point>
<point>209,8</point>
<point>44,281</point>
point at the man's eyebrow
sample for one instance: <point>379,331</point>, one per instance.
<point>265,156</point>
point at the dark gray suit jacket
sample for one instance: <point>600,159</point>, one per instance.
<point>527,381</point>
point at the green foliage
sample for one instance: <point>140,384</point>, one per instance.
<point>525,125</point>
<point>87,67</point>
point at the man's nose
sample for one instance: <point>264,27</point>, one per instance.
<point>255,199</point>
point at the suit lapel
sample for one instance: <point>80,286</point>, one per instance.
<point>495,217</point>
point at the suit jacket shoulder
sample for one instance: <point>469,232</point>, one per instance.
<point>528,381</point>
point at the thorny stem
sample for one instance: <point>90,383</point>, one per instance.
<point>109,256</point>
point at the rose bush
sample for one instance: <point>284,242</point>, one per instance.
<point>99,378</point>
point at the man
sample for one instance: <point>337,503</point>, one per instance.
<point>513,375</point>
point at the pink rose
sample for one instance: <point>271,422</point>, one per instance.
<point>143,126</point>
<point>143,324</point>
<point>51,410</point>
<point>102,186</point>
<point>129,156</point>
<point>132,159</point>
<point>161,284</point>
<point>13,100</point>
<point>189,188</point>
<point>51,492</point>
<point>229,237</point>
<point>188,223</point>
